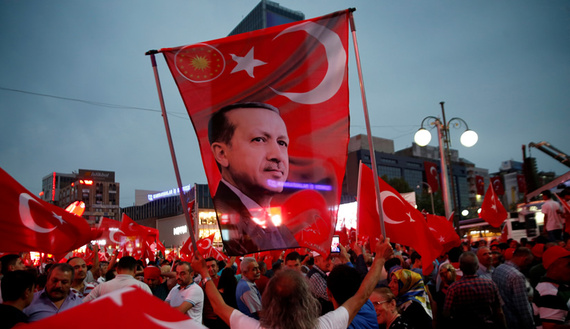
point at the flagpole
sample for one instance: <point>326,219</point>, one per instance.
<point>367,120</point>
<point>171,146</point>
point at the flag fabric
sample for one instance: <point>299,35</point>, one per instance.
<point>521,182</point>
<point>111,232</point>
<point>498,186</point>
<point>404,224</point>
<point>480,184</point>
<point>204,246</point>
<point>138,238</point>
<point>432,176</point>
<point>301,68</point>
<point>132,308</point>
<point>31,224</point>
<point>492,210</point>
<point>443,231</point>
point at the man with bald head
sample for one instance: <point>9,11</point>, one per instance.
<point>250,144</point>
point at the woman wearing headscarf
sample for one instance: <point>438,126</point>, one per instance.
<point>412,298</point>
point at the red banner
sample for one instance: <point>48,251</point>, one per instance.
<point>521,182</point>
<point>480,184</point>
<point>31,224</point>
<point>498,186</point>
<point>404,224</point>
<point>276,100</point>
<point>443,231</point>
<point>432,176</point>
<point>492,210</point>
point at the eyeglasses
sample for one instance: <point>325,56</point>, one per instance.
<point>380,302</point>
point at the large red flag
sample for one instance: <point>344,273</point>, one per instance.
<point>443,231</point>
<point>492,210</point>
<point>31,224</point>
<point>128,307</point>
<point>404,224</point>
<point>480,184</point>
<point>301,69</point>
<point>498,186</point>
<point>203,245</point>
<point>431,175</point>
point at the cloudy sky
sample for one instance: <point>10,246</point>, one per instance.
<point>78,92</point>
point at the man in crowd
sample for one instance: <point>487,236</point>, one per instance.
<point>211,320</point>
<point>247,294</point>
<point>552,293</point>
<point>159,286</point>
<point>126,270</point>
<point>343,283</point>
<point>553,221</point>
<point>416,263</point>
<point>515,289</point>
<point>186,296</point>
<point>80,286</point>
<point>18,291</point>
<point>293,261</point>
<point>11,262</point>
<point>318,281</point>
<point>288,302</point>
<point>485,259</point>
<point>249,142</point>
<point>473,301</point>
<point>56,296</point>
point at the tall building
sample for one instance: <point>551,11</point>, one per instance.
<point>96,188</point>
<point>266,14</point>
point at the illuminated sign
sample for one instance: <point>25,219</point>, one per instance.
<point>165,194</point>
<point>180,230</point>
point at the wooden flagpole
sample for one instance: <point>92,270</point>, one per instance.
<point>172,153</point>
<point>367,120</point>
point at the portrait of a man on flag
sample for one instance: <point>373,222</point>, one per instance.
<point>270,110</point>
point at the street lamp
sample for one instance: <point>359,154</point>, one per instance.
<point>468,139</point>
<point>431,195</point>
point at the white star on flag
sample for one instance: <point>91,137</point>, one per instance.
<point>246,63</point>
<point>61,221</point>
<point>116,296</point>
<point>411,219</point>
<point>441,239</point>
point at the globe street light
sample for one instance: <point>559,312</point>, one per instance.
<point>468,139</point>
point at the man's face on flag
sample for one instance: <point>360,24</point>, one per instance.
<point>256,159</point>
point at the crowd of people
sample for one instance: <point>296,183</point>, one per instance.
<point>479,284</point>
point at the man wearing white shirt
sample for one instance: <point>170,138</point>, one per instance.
<point>186,296</point>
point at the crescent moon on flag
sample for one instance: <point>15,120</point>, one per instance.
<point>184,324</point>
<point>383,196</point>
<point>495,183</point>
<point>433,171</point>
<point>336,58</point>
<point>112,236</point>
<point>480,182</point>
<point>26,216</point>
<point>209,244</point>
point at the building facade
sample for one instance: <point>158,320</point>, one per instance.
<point>266,14</point>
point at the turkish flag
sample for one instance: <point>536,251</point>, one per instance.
<point>111,232</point>
<point>203,245</point>
<point>521,182</point>
<point>301,68</point>
<point>492,210</point>
<point>31,224</point>
<point>404,224</point>
<point>128,307</point>
<point>443,231</point>
<point>219,254</point>
<point>480,184</point>
<point>431,175</point>
<point>497,184</point>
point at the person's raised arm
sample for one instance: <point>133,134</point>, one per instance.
<point>383,252</point>
<point>223,310</point>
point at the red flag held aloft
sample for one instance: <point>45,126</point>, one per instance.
<point>31,224</point>
<point>404,224</point>
<point>300,69</point>
<point>443,231</point>
<point>492,210</point>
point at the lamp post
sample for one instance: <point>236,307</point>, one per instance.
<point>468,139</point>
<point>430,194</point>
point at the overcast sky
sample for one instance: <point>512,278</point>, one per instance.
<point>502,66</point>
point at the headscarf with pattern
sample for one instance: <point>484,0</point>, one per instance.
<point>411,288</point>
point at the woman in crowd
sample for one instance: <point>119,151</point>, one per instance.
<point>412,298</point>
<point>387,314</point>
